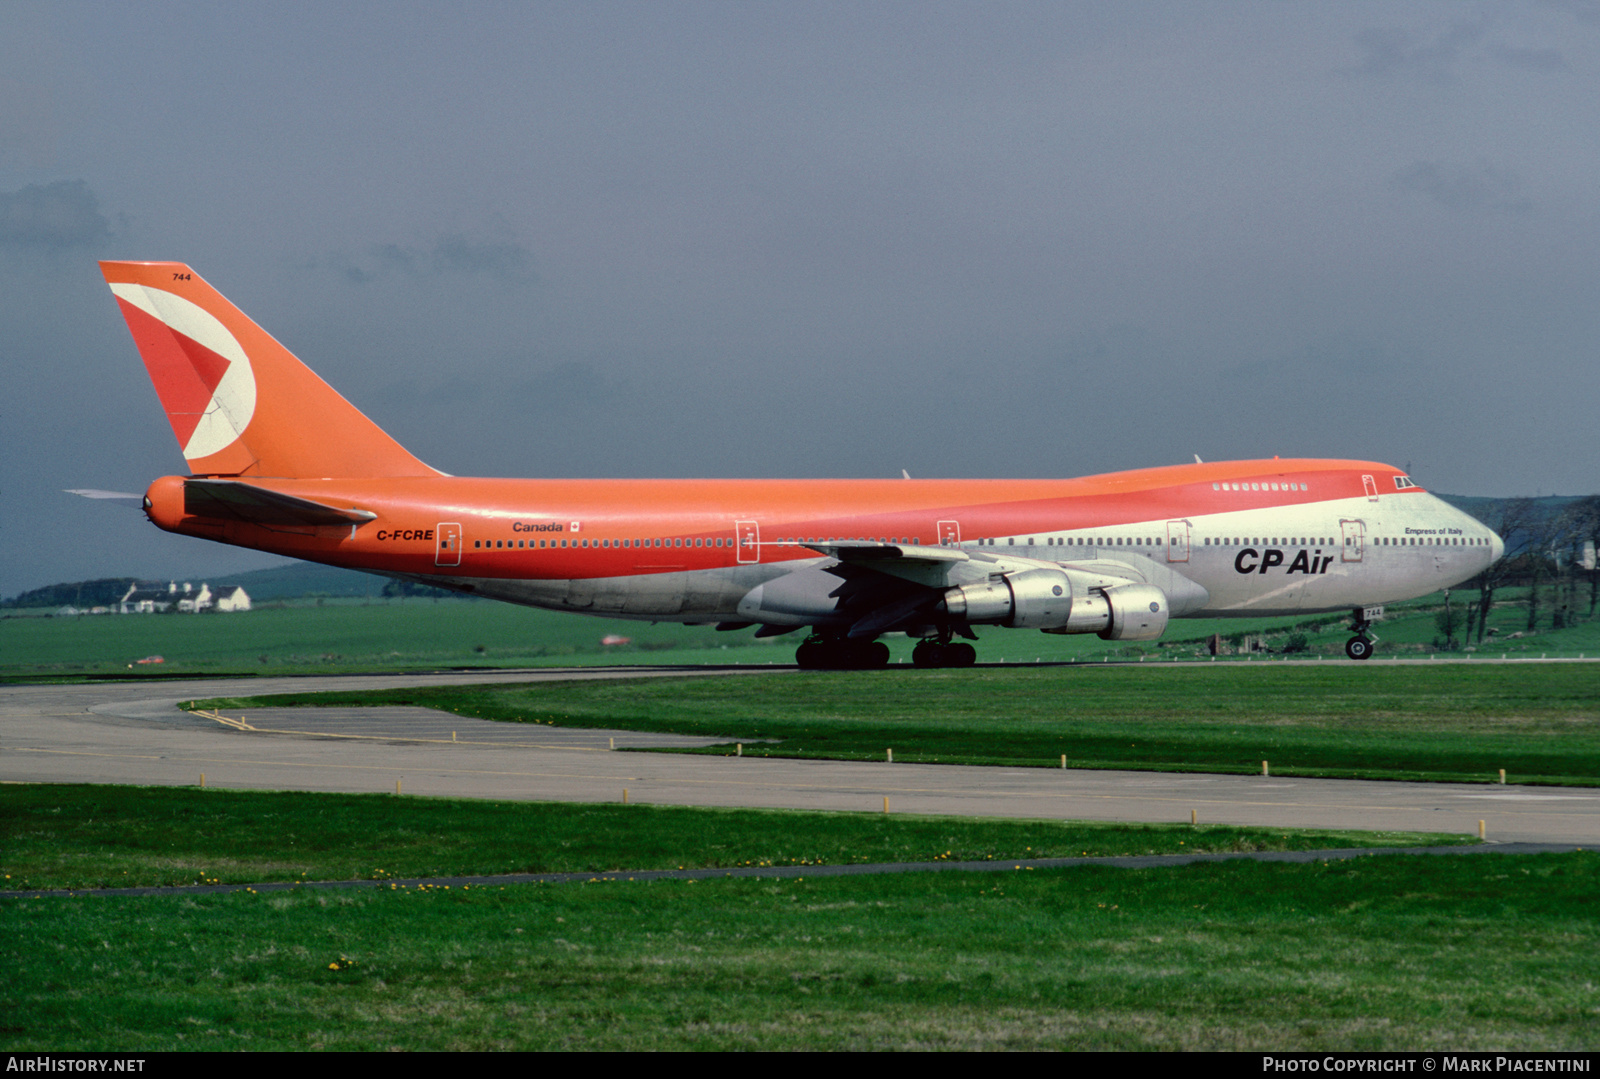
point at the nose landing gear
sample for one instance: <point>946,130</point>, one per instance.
<point>1360,646</point>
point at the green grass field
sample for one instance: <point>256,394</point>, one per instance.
<point>1435,721</point>
<point>344,635</point>
<point>1480,952</point>
<point>356,634</point>
<point>77,836</point>
<point>1379,953</point>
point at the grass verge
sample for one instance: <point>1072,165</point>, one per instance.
<point>1392,953</point>
<point>82,836</point>
<point>1449,722</point>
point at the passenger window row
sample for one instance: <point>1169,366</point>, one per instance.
<point>1268,486</point>
<point>592,544</point>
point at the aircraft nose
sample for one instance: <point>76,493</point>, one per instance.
<point>1497,547</point>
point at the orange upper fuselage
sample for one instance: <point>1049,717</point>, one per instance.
<point>565,529</point>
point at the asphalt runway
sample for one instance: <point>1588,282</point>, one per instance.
<point>133,733</point>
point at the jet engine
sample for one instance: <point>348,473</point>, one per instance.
<point>1043,599</point>
<point>1139,612</point>
<point>1031,599</point>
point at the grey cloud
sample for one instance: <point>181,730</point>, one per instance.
<point>1389,52</point>
<point>1583,10</point>
<point>506,261</point>
<point>1392,52</point>
<point>1529,59</point>
<point>1479,188</point>
<point>61,214</point>
<point>574,383</point>
<point>566,386</point>
<point>453,254</point>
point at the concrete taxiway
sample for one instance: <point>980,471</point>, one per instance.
<point>133,733</point>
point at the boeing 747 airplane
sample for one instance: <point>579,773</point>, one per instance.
<point>280,462</point>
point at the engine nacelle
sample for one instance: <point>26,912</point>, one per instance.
<point>1031,599</point>
<point>1139,612</point>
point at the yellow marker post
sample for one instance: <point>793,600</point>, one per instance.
<point>1264,768</point>
<point>891,756</point>
<point>624,795</point>
<point>1194,817</point>
<point>886,803</point>
<point>397,786</point>
<point>738,749</point>
<point>1502,777</point>
<point>1063,762</point>
<point>1480,830</point>
<point>202,781</point>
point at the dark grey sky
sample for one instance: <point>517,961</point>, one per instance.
<point>811,239</point>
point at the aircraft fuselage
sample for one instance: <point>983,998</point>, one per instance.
<point>1260,537</point>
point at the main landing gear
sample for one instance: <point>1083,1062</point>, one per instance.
<point>1360,646</point>
<point>820,653</point>
<point>943,654</point>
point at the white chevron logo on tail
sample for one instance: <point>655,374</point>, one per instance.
<point>201,372</point>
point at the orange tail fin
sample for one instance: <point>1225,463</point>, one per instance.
<point>240,403</point>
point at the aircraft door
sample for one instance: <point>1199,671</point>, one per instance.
<point>1355,536</point>
<point>749,533</point>
<point>1371,486</point>
<point>448,553</point>
<point>1177,541</point>
<point>949,533</point>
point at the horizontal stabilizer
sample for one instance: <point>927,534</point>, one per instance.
<point>89,492</point>
<point>231,499</point>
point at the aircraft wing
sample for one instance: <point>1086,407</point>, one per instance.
<point>868,588</point>
<point>230,499</point>
<point>941,567</point>
<point>930,566</point>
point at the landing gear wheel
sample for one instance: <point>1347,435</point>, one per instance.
<point>834,654</point>
<point>1358,648</point>
<point>930,654</point>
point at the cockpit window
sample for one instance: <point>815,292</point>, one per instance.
<point>1402,482</point>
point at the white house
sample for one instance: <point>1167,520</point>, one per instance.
<point>147,600</point>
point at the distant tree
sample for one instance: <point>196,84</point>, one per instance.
<point>1584,528</point>
<point>1508,518</point>
<point>101,592</point>
<point>1572,540</point>
<point>1449,622</point>
<point>396,589</point>
<point>1544,536</point>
